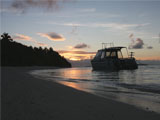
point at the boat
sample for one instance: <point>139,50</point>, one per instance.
<point>111,58</point>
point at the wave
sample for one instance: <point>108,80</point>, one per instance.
<point>143,88</point>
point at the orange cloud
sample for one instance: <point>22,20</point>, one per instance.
<point>70,47</point>
<point>22,37</point>
<point>41,44</point>
<point>52,36</point>
<point>27,38</point>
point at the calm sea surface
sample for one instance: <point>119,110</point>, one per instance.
<point>140,87</point>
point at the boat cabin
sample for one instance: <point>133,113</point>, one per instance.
<point>111,58</point>
<point>108,53</point>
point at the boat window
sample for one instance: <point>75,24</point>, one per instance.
<point>98,55</point>
<point>120,54</point>
<point>108,54</point>
<point>103,55</point>
<point>113,54</point>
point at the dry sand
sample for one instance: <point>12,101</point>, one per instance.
<point>27,98</point>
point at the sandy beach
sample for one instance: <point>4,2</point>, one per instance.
<point>27,98</point>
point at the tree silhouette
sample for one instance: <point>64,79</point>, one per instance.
<point>17,54</point>
<point>6,37</point>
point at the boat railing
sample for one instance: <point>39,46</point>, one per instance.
<point>107,45</point>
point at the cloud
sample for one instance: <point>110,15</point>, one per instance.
<point>41,44</point>
<point>22,37</point>
<point>27,38</point>
<point>137,44</point>
<point>118,26</point>
<point>149,47</point>
<point>23,5</point>
<point>74,30</point>
<point>52,36</point>
<point>131,36</point>
<point>80,46</point>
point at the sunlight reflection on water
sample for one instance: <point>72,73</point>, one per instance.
<point>139,87</point>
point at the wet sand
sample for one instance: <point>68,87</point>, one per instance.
<point>27,98</point>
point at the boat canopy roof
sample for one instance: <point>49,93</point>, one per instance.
<point>112,49</point>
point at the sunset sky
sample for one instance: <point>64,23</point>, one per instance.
<point>76,28</point>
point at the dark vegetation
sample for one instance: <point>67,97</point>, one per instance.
<point>17,54</point>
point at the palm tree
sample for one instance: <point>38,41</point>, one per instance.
<point>6,37</point>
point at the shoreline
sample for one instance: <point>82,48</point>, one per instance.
<point>25,97</point>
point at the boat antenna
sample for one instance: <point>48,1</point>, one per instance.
<point>131,54</point>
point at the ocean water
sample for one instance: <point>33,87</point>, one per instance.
<point>140,87</point>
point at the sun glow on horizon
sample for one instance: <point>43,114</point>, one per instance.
<point>74,59</point>
<point>77,57</point>
<point>148,58</point>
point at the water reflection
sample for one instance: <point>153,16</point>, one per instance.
<point>75,73</point>
<point>137,87</point>
<point>82,86</point>
<point>71,84</point>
